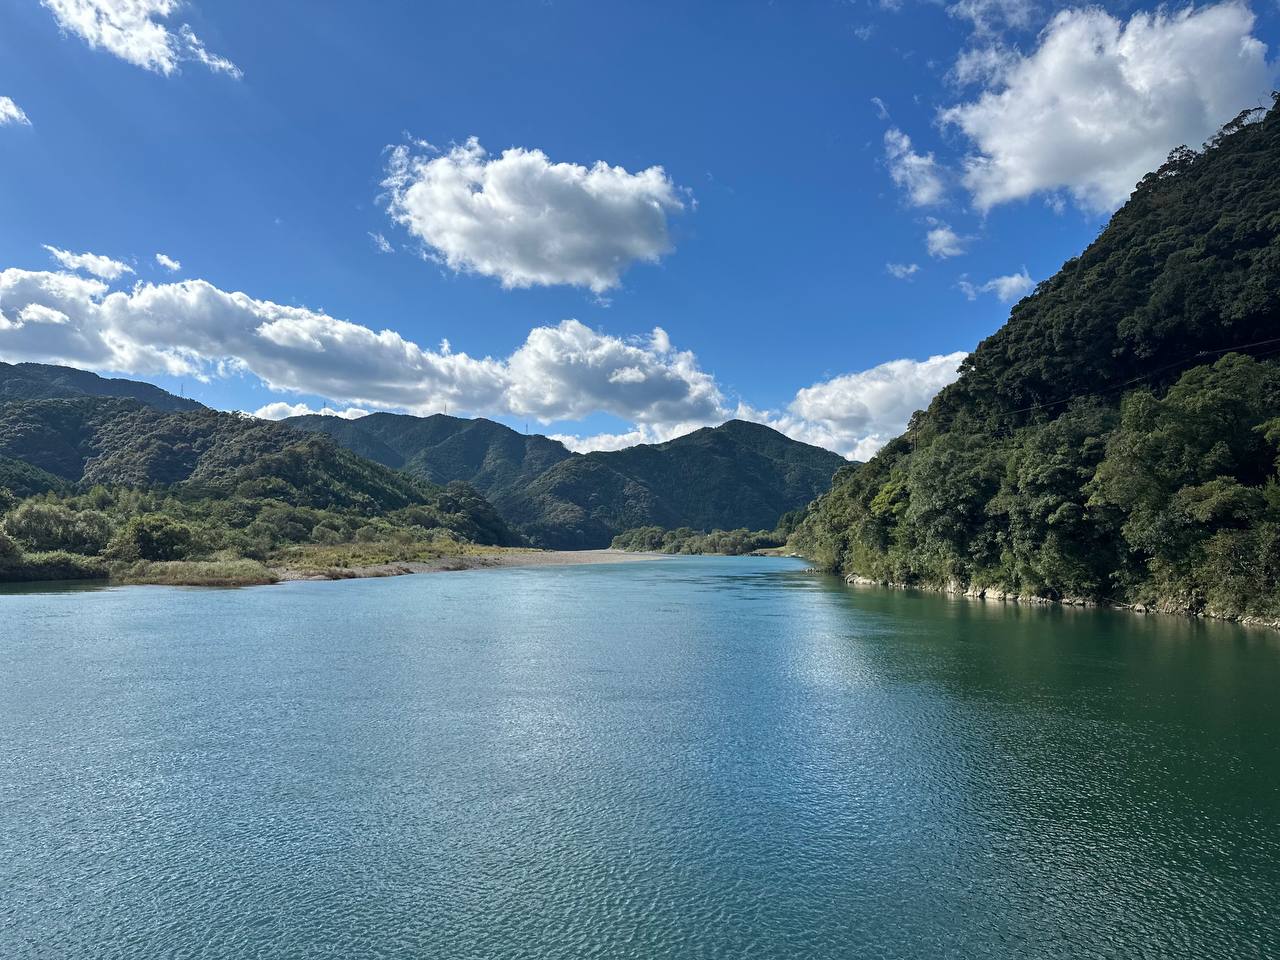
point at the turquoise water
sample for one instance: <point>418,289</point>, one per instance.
<point>687,758</point>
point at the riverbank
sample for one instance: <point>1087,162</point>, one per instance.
<point>997,595</point>
<point>476,558</point>
<point>329,562</point>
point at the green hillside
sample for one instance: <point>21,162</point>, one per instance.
<point>110,479</point>
<point>1117,439</point>
<point>736,475</point>
<point>493,458</point>
<point>42,381</point>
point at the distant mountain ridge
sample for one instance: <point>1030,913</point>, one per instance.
<point>60,425</point>
<point>42,381</point>
<point>739,474</point>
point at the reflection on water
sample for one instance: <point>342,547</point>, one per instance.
<point>53,586</point>
<point>696,758</point>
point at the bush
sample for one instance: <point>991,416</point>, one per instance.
<point>42,525</point>
<point>51,565</point>
<point>151,537</point>
<point>9,550</point>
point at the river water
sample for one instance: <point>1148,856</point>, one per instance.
<point>696,757</point>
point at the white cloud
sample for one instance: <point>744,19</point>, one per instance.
<point>1100,102</point>
<point>881,110</point>
<point>33,313</point>
<point>528,221</point>
<point>168,263</point>
<point>991,16</point>
<point>563,372</point>
<point>569,371</point>
<point>629,438</point>
<point>192,328</point>
<point>858,413</point>
<point>132,30</point>
<point>381,243</point>
<point>916,173</point>
<point>902,271</point>
<point>983,64</point>
<point>10,112</point>
<point>943,242</point>
<point>1012,286</point>
<point>1008,288</point>
<point>93,263</point>
<point>280,409</point>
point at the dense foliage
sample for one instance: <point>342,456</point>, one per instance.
<point>116,482</point>
<point>732,543</point>
<point>1118,438</point>
<point>738,474</point>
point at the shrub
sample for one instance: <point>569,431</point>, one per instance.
<point>151,537</point>
<point>41,525</point>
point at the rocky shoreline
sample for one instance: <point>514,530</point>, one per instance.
<point>957,589</point>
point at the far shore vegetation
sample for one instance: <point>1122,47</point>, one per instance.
<point>135,536</point>
<point>684,540</point>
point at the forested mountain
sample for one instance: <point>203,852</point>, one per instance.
<point>97,477</point>
<point>736,475</point>
<point>42,381</point>
<point>493,458</point>
<point>1117,439</point>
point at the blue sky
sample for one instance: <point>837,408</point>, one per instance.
<point>807,151</point>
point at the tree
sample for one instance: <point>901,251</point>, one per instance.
<point>151,537</point>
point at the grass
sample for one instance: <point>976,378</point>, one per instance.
<point>332,561</point>
<point>196,573</point>
<point>342,556</point>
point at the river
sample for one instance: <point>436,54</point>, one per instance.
<point>689,758</point>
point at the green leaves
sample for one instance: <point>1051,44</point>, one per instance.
<point>1105,442</point>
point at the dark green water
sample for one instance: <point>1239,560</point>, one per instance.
<point>694,758</point>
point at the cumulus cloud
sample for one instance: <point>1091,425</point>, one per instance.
<point>528,221</point>
<point>168,263</point>
<point>10,112</point>
<point>1008,288</point>
<point>192,328</point>
<point>1101,101</point>
<point>943,242</point>
<point>902,271</point>
<point>563,372</point>
<point>569,371</point>
<point>858,413</point>
<point>644,433</point>
<point>133,31</point>
<point>381,243</point>
<point>916,173</point>
<point>280,410</point>
<point>93,263</point>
